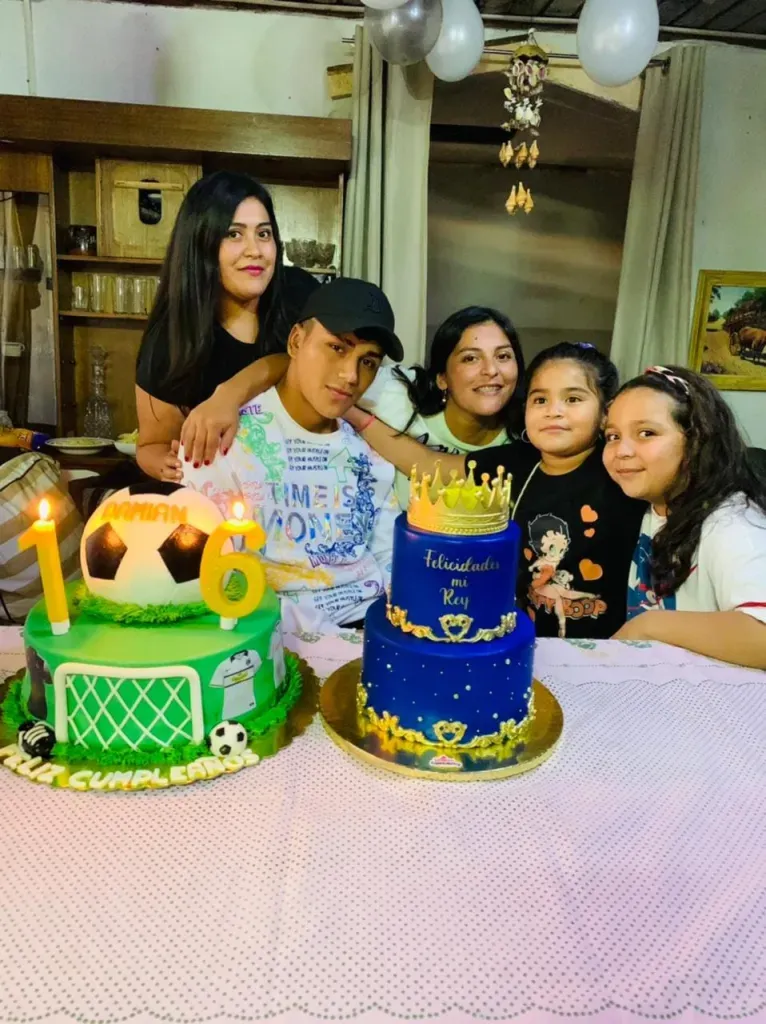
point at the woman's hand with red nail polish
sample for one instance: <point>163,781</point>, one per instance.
<point>210,428</point>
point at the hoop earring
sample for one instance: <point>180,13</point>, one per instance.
<point>525,436</point>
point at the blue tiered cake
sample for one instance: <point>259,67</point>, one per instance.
<point>448,658</point>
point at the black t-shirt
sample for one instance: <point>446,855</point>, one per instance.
<point>228,355</point>
<point>578,535</point>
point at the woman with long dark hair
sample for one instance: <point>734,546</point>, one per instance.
<point>699,573</point>
<point>224,302</point>
<point>466,398</point>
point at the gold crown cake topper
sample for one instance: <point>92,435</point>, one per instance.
<point>460,506</point>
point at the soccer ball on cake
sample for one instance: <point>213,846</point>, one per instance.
<point>227,739</point>
<point>144,544</point>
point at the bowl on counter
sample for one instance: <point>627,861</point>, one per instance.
<point>127,443</point>
<point>325,253</point>
<point>302,252</point>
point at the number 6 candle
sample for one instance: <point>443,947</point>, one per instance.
<point>215,567</point>
<point>42,535</point>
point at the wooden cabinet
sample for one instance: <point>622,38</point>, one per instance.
<point>137,205</point>
<point>89,162</point>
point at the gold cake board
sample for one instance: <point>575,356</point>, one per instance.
<point>271,742</point>
<point>342,720</point>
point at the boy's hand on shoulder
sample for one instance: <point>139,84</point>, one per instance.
<point>171,469</point>
<point>211,427</point>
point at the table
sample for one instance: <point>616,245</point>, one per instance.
<point>623,880</point>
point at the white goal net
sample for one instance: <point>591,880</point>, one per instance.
<point>135,709</point>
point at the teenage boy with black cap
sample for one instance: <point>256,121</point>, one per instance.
<point>324,498</point>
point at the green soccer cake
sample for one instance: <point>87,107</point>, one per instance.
<point>147,686</point>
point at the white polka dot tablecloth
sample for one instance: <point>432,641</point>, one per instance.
<point>623,880</point>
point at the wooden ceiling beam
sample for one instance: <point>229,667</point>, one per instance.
<point>706,15</point>
<point>494,13</point>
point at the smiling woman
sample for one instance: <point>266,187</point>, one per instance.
<point>224,302</point>
<point>464,400</point>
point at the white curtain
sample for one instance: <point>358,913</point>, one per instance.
<point>9,239</point>
<point>27,346</point>
<point>653,307</point>
<point>385,236</point>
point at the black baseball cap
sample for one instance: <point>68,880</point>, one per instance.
<point>350,306</point>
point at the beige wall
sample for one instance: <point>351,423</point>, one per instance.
<point>554,272</point>
<point>730,226</point>
<point>225,60</point>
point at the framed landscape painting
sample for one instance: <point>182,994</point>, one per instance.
<point>729,338</point>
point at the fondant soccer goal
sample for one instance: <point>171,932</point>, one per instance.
<point>106,707</point>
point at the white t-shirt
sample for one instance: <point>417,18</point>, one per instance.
<point>387,398</point>
<point>326,503</point>
<point>728,569</point>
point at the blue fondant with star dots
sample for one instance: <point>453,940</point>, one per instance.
<point>421,682</point>
<point>435,574</point>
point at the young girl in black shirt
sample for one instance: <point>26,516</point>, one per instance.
<point>578,528</point>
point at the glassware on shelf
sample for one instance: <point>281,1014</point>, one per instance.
<point>33,258</point>
<point>81,239</point>
<point>98,416</point>
<point>152,284</point>
<point>98,290</point>
<point>80,296</point>
<point>122,294</point>
<point>138,296</point>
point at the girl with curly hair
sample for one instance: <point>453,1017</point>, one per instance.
<point>698,578</point>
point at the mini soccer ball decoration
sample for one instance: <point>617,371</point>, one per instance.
<point>526,74</point>
<point>36,739</point>
<point>227,739</point>
<point>144,545</point>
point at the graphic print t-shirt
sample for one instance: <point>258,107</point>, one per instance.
<point>579,533</point>
<point>387,398</point>
<point>728,568</point>
<point>326,504</point>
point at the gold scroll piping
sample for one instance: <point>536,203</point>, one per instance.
<point>455,627</point>
<point>448,734</point>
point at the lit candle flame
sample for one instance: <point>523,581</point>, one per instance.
<point>45,509</point>
<point>239,510</point>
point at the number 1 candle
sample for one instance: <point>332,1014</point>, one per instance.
<point>42,535</point>
<point>216,566</point>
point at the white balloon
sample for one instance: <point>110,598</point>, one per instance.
<point>383,5</point>
<point>461,41</point>
<point>616,38</point>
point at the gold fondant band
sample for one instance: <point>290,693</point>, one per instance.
<point>455,627</point>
